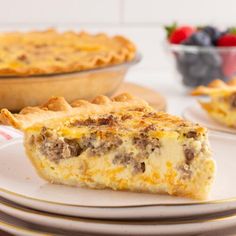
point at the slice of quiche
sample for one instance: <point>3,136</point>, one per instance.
<point>222,103</point>
<point>120,143</point>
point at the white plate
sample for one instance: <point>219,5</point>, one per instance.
<point>9,223</point>
<point>104,227</point>
<point>196,114</point>
<point>20,183</point>
<point>18,227</point>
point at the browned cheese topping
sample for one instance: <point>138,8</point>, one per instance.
<point>109,134</point>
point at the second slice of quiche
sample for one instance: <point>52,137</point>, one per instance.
<point>122,144</point>
<point>221,105</point>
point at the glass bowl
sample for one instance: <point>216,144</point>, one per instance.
<point>19,92</point>
<point>200,65</point>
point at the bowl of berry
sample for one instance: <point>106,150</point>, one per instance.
<point>202,54</point>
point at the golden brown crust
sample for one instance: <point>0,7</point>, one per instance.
<point>215,87</point>
<point>51,52</point>
<point>58,107</point>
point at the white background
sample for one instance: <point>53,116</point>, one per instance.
<point>118,11</point>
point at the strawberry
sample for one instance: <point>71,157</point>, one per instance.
<point>227,40</point>
<point>176,35</point>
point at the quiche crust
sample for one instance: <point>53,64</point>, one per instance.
<point>120,143</point>
<point>222,101</point>
<point>51,52</point>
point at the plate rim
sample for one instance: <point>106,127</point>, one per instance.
<point>4,224</point>
<point>175,221</point>
<point>197,203</point>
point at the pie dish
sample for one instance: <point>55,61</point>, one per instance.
<point>222,104</point>
<point>51,52</point>
<point>47,63</point>
<point>120,143</point>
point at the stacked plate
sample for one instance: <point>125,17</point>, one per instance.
<point>31,206</point>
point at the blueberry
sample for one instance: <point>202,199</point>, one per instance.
<point>180,63</point>
<point>184,60</point>
<point>212,58</point>
<point>213,33</point>
<point>212,74</point>
<point>199,38</point>
<point>189,57</point>
<point>181,66</point>
<point>190,81</point>
<point>198,69</point>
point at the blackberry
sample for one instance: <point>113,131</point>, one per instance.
<point>213,33</point>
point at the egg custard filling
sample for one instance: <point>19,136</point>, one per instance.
<point>221,105</point>
<point>121,144</point>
